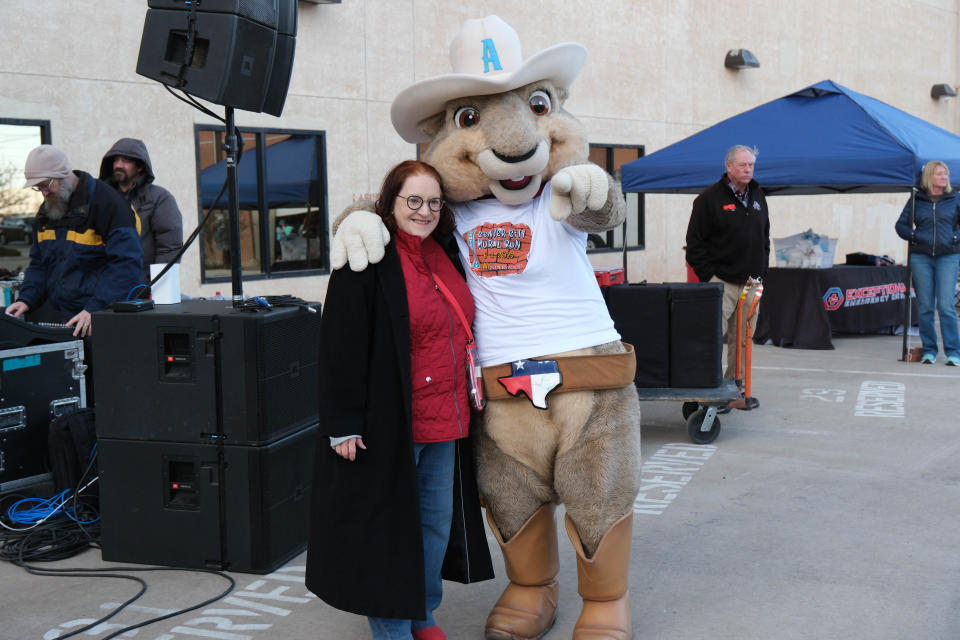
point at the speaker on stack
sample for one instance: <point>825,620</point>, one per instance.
<point>206,425</point>
<point>236,53</point>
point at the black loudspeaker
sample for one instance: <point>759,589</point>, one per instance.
<point>696,319</point>
<point>203,371</point>
<point>206,424</point>
<point>237,53</point>
<point>641,316</point>
<point>206,506</point>
<point>280,77</point>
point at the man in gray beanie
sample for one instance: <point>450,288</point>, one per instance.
<point>86,252</point>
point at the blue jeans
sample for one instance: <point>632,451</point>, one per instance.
<point>434,462</point>
<point>935,280</point>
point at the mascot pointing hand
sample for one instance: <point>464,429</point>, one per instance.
<point>562,421</point>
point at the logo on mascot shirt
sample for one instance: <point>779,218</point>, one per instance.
<point>498,249</point>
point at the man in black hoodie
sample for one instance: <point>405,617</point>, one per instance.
<point>728,240</point>
<point>126,166</point>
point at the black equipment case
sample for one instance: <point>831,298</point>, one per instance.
<point>640,315</point>
<point>696,334</point>
<point>37,384</point>
<point>675,328</point>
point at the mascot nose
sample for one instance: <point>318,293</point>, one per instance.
<point>520,158</point>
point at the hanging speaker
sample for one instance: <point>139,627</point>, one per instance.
<point>280,77</point>
<point>237,53</point>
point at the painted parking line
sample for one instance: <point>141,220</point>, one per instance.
<point>944,376</point>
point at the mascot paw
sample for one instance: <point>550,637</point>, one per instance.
<point>360,239</point>
<point>578,188</point>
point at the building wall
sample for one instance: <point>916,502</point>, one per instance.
<point>654,74</point>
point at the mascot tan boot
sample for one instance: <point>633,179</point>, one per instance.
<point>528,606</point>
<point>602,583</point>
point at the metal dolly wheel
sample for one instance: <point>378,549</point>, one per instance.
<point>699,407</point>
<point>703,423</point>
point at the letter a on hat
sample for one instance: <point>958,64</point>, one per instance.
<point>490,56</point>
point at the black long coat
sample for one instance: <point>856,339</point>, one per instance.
<point>365,550</point>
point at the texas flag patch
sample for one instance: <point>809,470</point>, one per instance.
<point>535,378</point>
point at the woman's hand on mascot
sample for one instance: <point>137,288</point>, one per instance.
<point>578,188</point>
<point>348,448</point>
<point>360,239</point>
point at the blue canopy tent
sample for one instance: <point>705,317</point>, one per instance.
<point>822,139</point>
<point>291,170</point>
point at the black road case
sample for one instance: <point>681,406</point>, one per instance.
<point>37,384</point>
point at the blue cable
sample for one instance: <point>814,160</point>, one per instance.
<point>139,286</point>
<point>32,510</point>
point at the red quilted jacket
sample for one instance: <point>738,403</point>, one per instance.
<point>437,340</point>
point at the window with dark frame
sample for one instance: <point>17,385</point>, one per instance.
<point>17,138</point>
<point>282,206</point>
<point>611,157</point>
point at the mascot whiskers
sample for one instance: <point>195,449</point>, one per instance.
<point>562,421</point>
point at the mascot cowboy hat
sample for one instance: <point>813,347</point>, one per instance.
<point>486,58</point>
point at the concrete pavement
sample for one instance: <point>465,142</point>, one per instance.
<point>830,513</point>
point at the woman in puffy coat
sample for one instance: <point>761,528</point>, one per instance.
<point>395,496</point>
<point>934,235</point>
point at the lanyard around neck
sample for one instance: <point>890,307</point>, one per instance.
<point>456,306</point>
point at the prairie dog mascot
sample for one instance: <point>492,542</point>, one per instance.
<point>497,128</point>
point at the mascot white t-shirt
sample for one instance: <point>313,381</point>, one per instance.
<point>504,247</point>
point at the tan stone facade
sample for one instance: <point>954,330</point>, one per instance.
<point>654,74</point>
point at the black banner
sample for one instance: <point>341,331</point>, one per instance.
<point>802,308</point>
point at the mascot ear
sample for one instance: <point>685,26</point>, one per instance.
<point>431,126</point>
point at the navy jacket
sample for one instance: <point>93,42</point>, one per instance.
<point>935,227</point>
<point>87,259</point>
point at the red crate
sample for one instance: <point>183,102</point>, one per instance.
<point>607,276</point>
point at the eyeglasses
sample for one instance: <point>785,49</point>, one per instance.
<point>44,186</point>
<point>415,202</point>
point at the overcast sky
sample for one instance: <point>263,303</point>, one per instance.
<point>16,141</point>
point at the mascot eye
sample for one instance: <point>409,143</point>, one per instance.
<point>466,117</point>
<point>540,103</point>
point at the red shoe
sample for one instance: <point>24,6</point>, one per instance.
<point>429,633</point>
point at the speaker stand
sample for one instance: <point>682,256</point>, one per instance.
<point>233,203</point>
